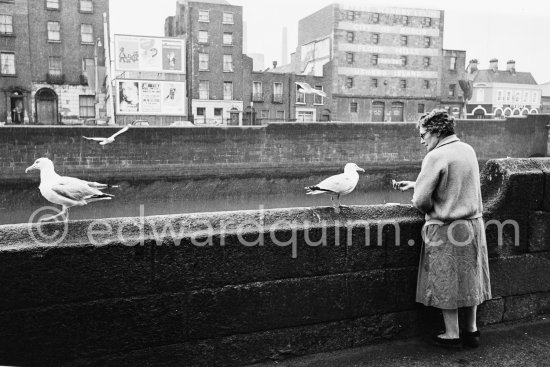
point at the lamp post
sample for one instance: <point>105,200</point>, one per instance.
<point>96,77</point>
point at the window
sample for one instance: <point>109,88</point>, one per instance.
<point>264,114</point>
<point>427,22</point>
<point>6,24</point>
<point>403,83</point>
<point>54,31</point>
<point>375,18</point>
<point>317,99</point>
<point>203,61</point>
<point>426,62</point>
<point>280,115</point>
<point>517,96</point>
<point>404,40</point>
<point>228,63</point>
<point>349,82</point>
<point>204,89</point>
<point>86,6</point>
<point>300,96</point>
<point>203,36</point>
<point>499,95</point>
<point>525,96</point>
<point>452,88</point>
<point>218,111</point>
<point>7,63</point>
<point>52,4</point>
<point>374,59</point>
<point>228,38</point>
<point>353,107</point>
<point>452,65</point>
<point>278,92</point>
<point>204,16</point>
<point>426,84</point>
<point>257,92</point>
<point>405,20</point>
<point>535,97</point>
<point>350,15</point>
<point>227,18</point>
<point>86,106</point>
<point>427,42</point>
<point>374,83</point>
<point>349,57</point>
<point>374,38</point>
<point>228,91</point>
<point>350,37</point>
<point>420,108</point>
<point>304,116</point>
<point>86,33</point>
<point>508,96</point>
<point>403,60</point>
<point>55,65</point>
<point>201,111</point>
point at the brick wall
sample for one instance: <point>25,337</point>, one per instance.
<point>197,295</point>
<point>276,149</point>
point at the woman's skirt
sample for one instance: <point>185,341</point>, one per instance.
<point>454,268</point>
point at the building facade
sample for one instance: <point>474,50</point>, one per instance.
<point>500,93</point>
<point>452,72</point>
<point>52,60</point>
<point>386,62</point>
<point>214,33</point>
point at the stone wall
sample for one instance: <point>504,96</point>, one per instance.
<point>234,288</point>
<point>276,150</point>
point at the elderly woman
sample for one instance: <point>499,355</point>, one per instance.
<point>453,271</point>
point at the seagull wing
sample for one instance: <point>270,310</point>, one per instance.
<point>74,188</point>
<point>123,130</point>
<point>337,183</point>
<point>95,139</point>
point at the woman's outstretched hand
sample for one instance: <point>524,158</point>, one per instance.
<point>402,185</point>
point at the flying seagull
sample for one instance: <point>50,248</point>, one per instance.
<point>304,87</point>
<point>66,191</point>
<point>337,185</point>
<point>110,139</point>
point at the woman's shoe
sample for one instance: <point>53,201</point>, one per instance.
<point>455,343</point>
<point>470,339</point>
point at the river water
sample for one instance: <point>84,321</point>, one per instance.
<point>24,204</point>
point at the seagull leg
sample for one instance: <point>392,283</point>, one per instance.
<point>67,214</point>
<point>337,207</point>
<point>54,217</point>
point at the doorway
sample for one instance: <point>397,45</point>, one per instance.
<point>17,108</point>
<point>378,112</point>
<point>46,107</point>
<point>397,111</point>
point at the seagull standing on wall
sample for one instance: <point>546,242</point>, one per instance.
<point>304,87</point>
<point>337,185</point>
<point>110,139</point>
<point>66,191</point>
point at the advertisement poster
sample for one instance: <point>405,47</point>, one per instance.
<point>155,54</point>
<point>173,101</point>
<point>128,96</point>
<point>127,54</point>
<point>150,97</point>
<point>172,55</point>
<point>150,54</point>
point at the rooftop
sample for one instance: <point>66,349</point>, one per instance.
<point>504,76</point>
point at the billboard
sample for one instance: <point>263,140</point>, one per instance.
<point>140,53</point>
<point>150,97</point>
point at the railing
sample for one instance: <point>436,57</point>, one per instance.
<point>202,120</point>
<point>257,97</point>
<point>278,98</point>
<point>55,78</point>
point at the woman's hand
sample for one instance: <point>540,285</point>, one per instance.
<point>402,185</point>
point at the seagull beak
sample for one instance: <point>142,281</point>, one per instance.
<point>360,169</point>
<point>33,167</point>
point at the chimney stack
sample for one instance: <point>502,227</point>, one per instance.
<point>274,64</point>
<point>511,66</point>
<point>493,64</point>
<point>472,66</point>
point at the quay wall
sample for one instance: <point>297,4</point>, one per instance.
<point>274,150</point>
<point>234,288</point>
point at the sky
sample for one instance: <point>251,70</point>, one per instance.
<point>505,29</point>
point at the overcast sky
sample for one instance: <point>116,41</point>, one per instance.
<point>504,29</point>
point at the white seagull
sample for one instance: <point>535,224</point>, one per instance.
<point>337,185</point>
<point>66,191</point>
<point>110,139</point>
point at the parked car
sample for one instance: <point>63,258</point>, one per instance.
<point>140,123</point>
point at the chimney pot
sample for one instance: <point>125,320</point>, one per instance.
<point>274,64</point>
<point>511,66</point>
<point>493,64</point>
